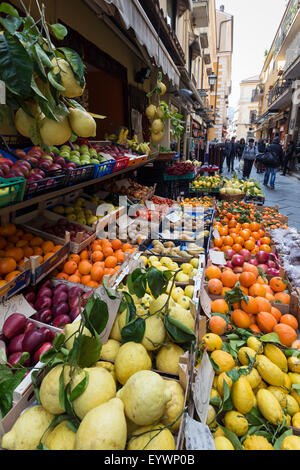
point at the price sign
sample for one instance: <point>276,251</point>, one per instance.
<point>202,388</point>
<point>205,302</point>
<point>113,307</point>
<point>197,435</point>
<point>174,217</point>
<point>2,92</point>
<point>217,257</point>
<point>216,233</point>
<point>17,304</point>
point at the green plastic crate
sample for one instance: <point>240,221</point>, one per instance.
<point>11,191</point>
<point>188,176</point>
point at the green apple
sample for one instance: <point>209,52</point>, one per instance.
<point>83,148</point>
<point>75,152</point>
<point>187,268</point>
<point>72,217</point>
<point>48,157</point>
<point>64,154</point>
<point>176,293</point>
<point>184,301</point>
<point>195,262</point>
<point>189,291</point>
<point>96,162</point>
<point>91,219</point>
<point>69,210</point>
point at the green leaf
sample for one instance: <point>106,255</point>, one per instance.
<point>176,332</point>
<point>80,388</point>
<point>36,388</point>
<point>134,331</point>
<point>157,282</point>
<point>16,67</point>
<point>233,375</point>
<point>47,356</point>
<point>59,31</point>
<point>227,402</point>
<point>61,390</point>
<point>58,341</point>
<point>76,64</point>
<point>278,442</point>
<point>270,338</point>
<point>89,350</point>
<point>216,401</point>
<point>254,417</point>
<point>75,104</point>
<point>7,388</point>
<point>297,388</point>
<point>43,56</point>
<point>9,10</point>
<point>11,23</point>
<point>233,438</point>
<point>111,294</point>
<point>42,446</point>
<point>96,315</point>
<point>54,83</point>
<point>181,326</point>
<point>73,425</point>
<point>36,90</point>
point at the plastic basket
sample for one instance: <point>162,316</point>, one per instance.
<point>46,185</point>
<point>11,191</point>
<point>104,168</point>
<point>121,164</point>
<point>188,176</point>
<point>80,173</point>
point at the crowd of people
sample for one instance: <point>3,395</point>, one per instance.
<point>267,157</point>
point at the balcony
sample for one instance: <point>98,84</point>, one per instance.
<point>257,93</point>
<point>286,25</point>
<point>292,64</point>
<point>280,93</point>
<point>200,13</point>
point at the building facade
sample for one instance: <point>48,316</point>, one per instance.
<point>247,108</point>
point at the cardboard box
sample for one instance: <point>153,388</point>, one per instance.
<point>18,284</point>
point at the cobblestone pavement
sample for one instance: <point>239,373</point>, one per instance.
<point>286,194</point>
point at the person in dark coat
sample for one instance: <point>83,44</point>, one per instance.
<point>271,168</point>
<point>231,152</point>
<point>241,148</point>
<point>261,148</point>
<point>288,156</point>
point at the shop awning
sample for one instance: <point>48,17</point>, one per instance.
<point>133,16</point>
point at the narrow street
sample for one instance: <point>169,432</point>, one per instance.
<point>286,194</point>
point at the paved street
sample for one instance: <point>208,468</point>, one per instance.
<point>286,194</point>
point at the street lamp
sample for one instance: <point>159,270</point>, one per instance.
<point>212,80</point>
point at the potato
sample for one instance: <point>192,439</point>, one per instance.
<point>169,244</point>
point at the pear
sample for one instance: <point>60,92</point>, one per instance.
<point>28,430</point>
<point>103,428</point>
<point>82,123</point>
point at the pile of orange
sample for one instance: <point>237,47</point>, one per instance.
<point>273,219</point>
<point>15,246</point>
<point>102,258</point>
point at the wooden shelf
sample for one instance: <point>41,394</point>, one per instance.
<point>5,211</point>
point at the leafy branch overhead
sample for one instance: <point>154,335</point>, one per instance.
<point>39,77</point>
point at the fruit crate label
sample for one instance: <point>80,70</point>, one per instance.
<point>17,304</point>
<point>197,435</point>
<point>217,257</point>
<point>202,388</point>
<point>205,302</point>
<point>2,92</point>
<point>216,233</point>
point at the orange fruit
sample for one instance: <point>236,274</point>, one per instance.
<point>36,241</point>
<point>270,297</point>
<point>265,248</point>
<point>277,284</point>
<point>215,286</point>
<point>28,251</point>
<point>249,245</point>
<point>283,298</point>
<point>276,313</point>
<point>219,306</point>
<point>287,334</point>
<point>111,262</point>
<point>74,257</point>
<point>84,255</point>
<point>48,247</point>
<point>240,319</point>
<point>217,325</point>
<point>254,227</point>
<point>9,277</point>
<point>254,328</point>
<point>57,248</point>
<point>107,252</point>
<point>218,242</point>
<point>75,279</point>
<point>97,273</point>
<point>239,241</point>
<point>116,244</point>
<point>257,290</point>
<point>263,304</point>
<point>245,234</point>
<point>3,243</point>
<point>228,278</point>
<point>213,272</point>
<point>247,279</point>
<point>84,267</point>
<point>16,253</point>
<point>265,241</point>
<point>8,230</point>
<point>266,322</point>
<point>21,243</point>
<point>3,283</point>
<point>48,255</point>
<point>7,265</point>
<point>224,290</point>
<point>126,246</point>
<point>86,279</point>
<point>93,284</point>
<point>37,251</point>
<point>109,271</point>
<point>237,247</point>
<point>120,255</point>
<point>70,267</point>
<point>97,256</point>
<point>251,307</point>
<point>28,236</point>
<point>250,268</point>
<point>228,240</point>
<point>63,276</point>
<point>290,320</point>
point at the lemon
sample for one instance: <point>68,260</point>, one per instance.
<point>236,422</point>
<point>275,355</point>
<point>211,417</point>
<point>60,438</point>
<point>183,316</point>
<point>110,350</point>
<point>212,342</point>
<point>145,396</point>
<point>131,358</point>
<point>224,361</point>
<point>257,443</point>
<point>82,123</point>
<point>155,333</point>
<point>291,443</point>
<point>70,331</point>
<point>242,395</point>
<point>167,359</point>
<point>115,331</point>
<point>279,394</point>
<point>222,443</point>
<point>68,81</point>
<point>55,132</point>
<point>174,407</point>
<point>269,407</point>
<point>214,393</point>
<point>151,438</point>
<point>253,377</point>
<point>292,406</point>
<point>269,371</point>
<point>294,377</point>
<point>294,364</point>
<point>27,430</point>
<point>244,354</point>
<point>296,420</point>
<point>220,386</point>
<point>49,390</point>
<point>158,304</point>
<point>219,432</point>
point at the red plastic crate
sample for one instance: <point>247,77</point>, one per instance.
<point>121,163</point>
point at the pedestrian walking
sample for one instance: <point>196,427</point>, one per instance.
<point>261,148</point>
<point>249,156</point>
<point>222,155</point>
<point>273,159</point>
<point>231,151</point>
<point>241,148</point>
<point>288,156</point>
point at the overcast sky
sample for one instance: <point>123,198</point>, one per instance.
<point>255,25</point>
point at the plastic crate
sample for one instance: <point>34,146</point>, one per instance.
<point>188,176</point>
<point>79,174</point>
<point>104,168</point>
<point>46,185</point>
<point>12,191</point>
<point>121,164</point>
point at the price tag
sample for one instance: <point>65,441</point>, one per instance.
<point>197,435</point>
<point>216,233</point>
<point>2,92</point>
<point>174,217</point>
<point>17,304</point>
<point>113,307</point>
<point>3,357</point>
<point>217,257</point>
<point>202,388</point>
<point>205,302</point>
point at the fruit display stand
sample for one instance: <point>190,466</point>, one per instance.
<point>12,191</point>
<point>17,284</point>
